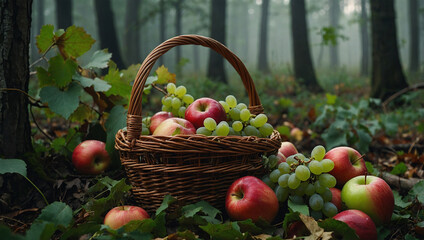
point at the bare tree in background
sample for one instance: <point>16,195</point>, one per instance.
<point>15,34</point>
<point>132,32</point>
<point>387,74</point>
<point>162,26</point>
<point>263,65</point>
<point>414,46</point>
<point>334,23</point>
<point>302,61</point>
<point>107,32</point>
<point>64,13</point>
<point>218,18</point>
<point>365,43</point>
<point>178,30</point>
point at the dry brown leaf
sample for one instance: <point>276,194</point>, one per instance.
<point>317,233</point>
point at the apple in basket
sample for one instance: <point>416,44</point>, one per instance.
<point>249,197</point>
<point>203,108</point>
<point>287,149</point>
<point>119,216</point>
<point>158,118</point>
<point>174,126</point>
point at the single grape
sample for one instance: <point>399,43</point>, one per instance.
<point>234,114</point>
<point>315,167</point>
<point>225,106</point>
<point>283,180</point>
<point>180,91</point>
<point>222,129</point>
<point>251,131</point>
<point>327,180</point>
<point>209,123</point>
<point>237,125</point>
<point>327,195</point>
<point>170,88</point>
<point>181,111</point>
<point>214,133</point>
<point>231,100</point>
<point>302,172</point>
<point>296,199</point>
<point>188,99</point>
<point>310,189</point>
<point>282,193</point>
<point>299,156</point>
<point>316,202</point>
<point>293,181</point>
<point>176,103</point>
<point>319,188</point>
<point>274,175</point>
<point>318,152</point>
<point>167,101</point>
<point>203,131</point>
<point>291,160</point>
<point>300,191</point>
<point>241,106</point>
<point>316,214</point>
<point>261,119</point>
<point>268,181</point>
<point>144,131</point>
<point>266,129</point>
<point>284,167</point>
<point>245,115</point>
<point>329,209</point>
<point>166,108</point>
<point>327,165</point>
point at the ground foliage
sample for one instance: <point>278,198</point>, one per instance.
<point>43,197</point>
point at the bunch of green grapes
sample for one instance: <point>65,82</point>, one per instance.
<point>240,122</point>
<point>176,100</point>
<point>306,181</point>
<point>145,126</point>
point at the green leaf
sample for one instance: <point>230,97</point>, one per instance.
<point>13,166</point>
<point>289,218</point>
<point>58,144</point>
<point>46,38</point>
<point>418,191</point>
<point>284,130</point>
<point>222,231</point>
<point>410,237</point>
<point>331,99</point>
<point>146,225</point>
<point>117,120</point>
<point>371,169</point>
<point>63,103</point>
<point>399,169</point>
<point>40,230</point>
<point>250,227</point>
<point>62,71</point>
<point>167,200</point>
<point>187,235</point>
<point>58,213</point>
<point>390,125</point>
<point>75,42</point>
<point>80,230</point>
<point>339,228</point>
<point>399,200</point>
<point>6,233</point>
<point>364,140</point>
<point>100,59</point>
<point>190,211</point>
<point>98,84</point>
<point>334,137</point>
<point>128,75</point>
<point>44,77</point>
<point>119,86</point>
<point>382,233</point>
<point>160,225</point>
<point>82,113</point>
<point>301,208</point>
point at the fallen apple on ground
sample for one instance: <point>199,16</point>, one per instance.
<point>91,157</point>
<point>360,222</point>
<point>119,216</point>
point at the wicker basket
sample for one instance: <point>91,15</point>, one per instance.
<point>188,167</point>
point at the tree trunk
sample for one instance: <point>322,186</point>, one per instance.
<point>218,32</point>
<point>387,74</point>
<point>414,46</point>
<point>15,33</point>
<point>365,43</point>
<point>263,42</point>
<point>162,26</point>
<point>64,13</point>
<point>303,66</point>
<point>334,23</point>
<point>107,32</point>
<point>178,31</point>
<point>132,33</point>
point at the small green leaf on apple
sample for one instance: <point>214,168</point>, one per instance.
<point>339,228</point>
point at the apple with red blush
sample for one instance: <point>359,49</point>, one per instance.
<point>360,222</point>
<point>336,198</point>
<point>174,126</point>
<point>91,157</point>
<point>287,149</point>
<point>157,119</point>
<point>203,108</point>
<point>121,215</point>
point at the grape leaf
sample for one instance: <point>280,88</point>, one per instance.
<point>418,191</point>
<point>334,137</point>
<point>44,77</point>
<point>164,76</point>
<point>119,87</point>
<point>7,233</point>
<point>13,166</point>
<point>60,102</point>
<point>399,201</point>
<point>289,218</point>
<point>128,75</point>
<point>62,70</point>
<point>58,213</point>
<point>222,231</point>
<point>364,140</point>
<point>98,84</point>
<point>167,200</point>
<point>100,59</point>
<point>46,38</point>
<point>331,99</point>
<point>399,169</point>
<point>339,228</point>
<point>81,114</point>
<point>41,230</point>
<point>303,209</point>
<point>80,230</point>
<point>116,120</point>
<point>75,42</point>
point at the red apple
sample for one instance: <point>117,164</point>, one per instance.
<point>91,157</point>
<point>203,108</point>
<point>249,197</point>
<point>158,118</point>
<point>348,163</point>
<point>281,158</point>
<point>287,149</point>
<point>370,194</point>
<point>336,198</point>
<point>174,126</point>
<point>297,229</point>
<point>360,222</point>
<point>119,216</point>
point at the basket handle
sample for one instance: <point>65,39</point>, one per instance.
<point>134,117</point>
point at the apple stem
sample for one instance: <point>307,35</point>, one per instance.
<point>361,157</point>
<point>366,174</point>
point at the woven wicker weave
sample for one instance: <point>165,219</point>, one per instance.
<point>188,167</point>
